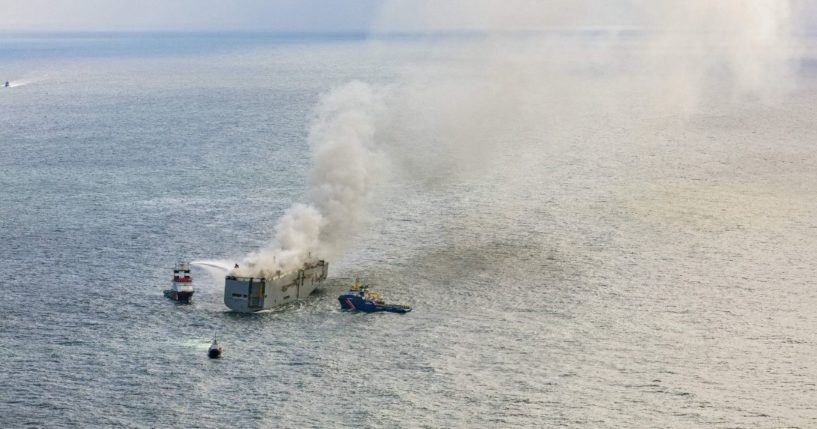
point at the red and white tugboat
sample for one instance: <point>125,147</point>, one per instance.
<point>182,288</point>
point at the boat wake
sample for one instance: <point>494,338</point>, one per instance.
<point>20,82</point>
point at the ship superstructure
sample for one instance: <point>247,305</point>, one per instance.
<point>252,294</point>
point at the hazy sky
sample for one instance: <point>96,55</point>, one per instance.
<point>187,15</point>
<point>330,15</point>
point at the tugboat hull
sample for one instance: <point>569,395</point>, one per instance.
<point>178,296</point>
<point>214,353</point>
<point>355,302</point>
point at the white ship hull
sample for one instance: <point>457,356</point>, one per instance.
<point>251,294</point>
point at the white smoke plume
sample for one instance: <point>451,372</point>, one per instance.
<point>342,142</point>
<point>684,42</point>
<point>752,46</point>
<point>528,72</point>
<point>534,71</point>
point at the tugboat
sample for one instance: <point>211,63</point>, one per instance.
<point>182,287</point>
<point>214,352</point>
<point>360,298</point>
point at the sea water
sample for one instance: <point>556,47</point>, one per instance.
<point>656,275</point>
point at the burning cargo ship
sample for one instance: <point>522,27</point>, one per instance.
<point>252,294</point>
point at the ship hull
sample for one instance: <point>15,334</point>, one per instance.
<point>181,296</point>
<point>250,294</point>
<point>355,302</point>
<point>214,352</point>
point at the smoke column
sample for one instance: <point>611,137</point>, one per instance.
<point>532,76</point>
<point>687,41</point>
<point>531,72</point>
<point>750,45</point>
<point>341,139</point>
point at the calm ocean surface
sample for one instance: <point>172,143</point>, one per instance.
<point>661,275</point>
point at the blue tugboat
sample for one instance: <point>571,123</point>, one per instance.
<point>360,298</point>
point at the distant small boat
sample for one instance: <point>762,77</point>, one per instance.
<point>215,350</point>
<point>182,287</point>
<point>7,84</point>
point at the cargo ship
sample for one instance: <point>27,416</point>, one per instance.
<point>252,294</point>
